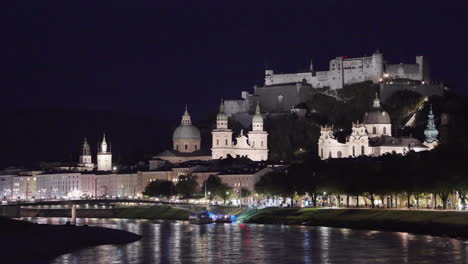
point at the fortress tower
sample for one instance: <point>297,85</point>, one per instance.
<point>104,157</point>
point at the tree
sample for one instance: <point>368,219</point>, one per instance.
<point>244,192</point>
<point>186,186</point>
<point>215,187</point>
<point>224,191</point>
<point>159,188</point>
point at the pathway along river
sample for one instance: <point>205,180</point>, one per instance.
<point>181,242</point>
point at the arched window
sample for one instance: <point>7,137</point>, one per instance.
<point>261,143</point>
<point>363,150</point>
<point>384,130</point>
<point>338,154</point>
<point>196,147</point>
<point>177,147</point>
<point>354,151</point>
<point>217,142</point>
<point>226,142</point>
<point>186,146</point>
<point>321,153</point>
<point>374,130</point>
<point>329,155</point>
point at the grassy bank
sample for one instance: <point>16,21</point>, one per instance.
<point>439,223</point>
<point>159,212</point>
<point>24,242</point>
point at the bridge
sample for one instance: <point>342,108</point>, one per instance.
<point>101,201</point>
<point>32,208</point>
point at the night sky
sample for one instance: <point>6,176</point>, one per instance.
<point>153,57</point>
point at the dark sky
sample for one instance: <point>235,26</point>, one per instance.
<point>152,57</point>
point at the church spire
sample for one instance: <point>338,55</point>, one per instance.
<point>431,132</point>
<point>221,118</point>
<point>104,144</point>
<point>186,119</point>
<point>257,119</point>
<point>221,114</point>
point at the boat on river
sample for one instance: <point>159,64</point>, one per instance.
<point>200,219</point>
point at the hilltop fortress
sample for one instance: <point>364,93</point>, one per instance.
<point>282,92</point>
<point>345,70</point>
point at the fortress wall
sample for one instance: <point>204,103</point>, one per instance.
<point>405,71</point>
<point>288,78</point>
<point>291,94</point>
<point>235,106</point>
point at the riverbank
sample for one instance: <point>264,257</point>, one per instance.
<point>152,213</point>
<point>436,223</point>
<point>24,242</point>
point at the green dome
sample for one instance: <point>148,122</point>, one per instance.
<point>221,115</point>
<point>257,118</point>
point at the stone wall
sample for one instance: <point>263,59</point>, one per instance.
<point>281,98</point>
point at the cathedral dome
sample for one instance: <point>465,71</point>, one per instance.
<point>186,132</point>
<point>377,115</point>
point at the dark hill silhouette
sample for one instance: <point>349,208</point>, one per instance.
<point>53,134</point>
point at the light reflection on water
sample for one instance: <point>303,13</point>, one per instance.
<point>181,242</point>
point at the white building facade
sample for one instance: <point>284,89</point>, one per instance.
<point>253,146</point>
<point>6,186</point>
<point>371,138</point>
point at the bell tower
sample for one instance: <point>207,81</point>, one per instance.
<point>222,135</point>
<point>258,138</point>
<point>104,157</point>
<point>85,157</point>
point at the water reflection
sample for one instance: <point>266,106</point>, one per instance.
<point>181,242</point>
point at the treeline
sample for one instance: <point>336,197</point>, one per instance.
<point>440,173</point>
<point>187,186</point>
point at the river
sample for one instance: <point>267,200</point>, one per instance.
<point>181,242</point>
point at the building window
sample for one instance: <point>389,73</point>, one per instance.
<point>363,150</point>
<point>186,147</point>
<point>217,142</point>
<point>321,153</point>
<point>374,130</point>
<point>177,147</point>
<point>329,155</point>
<point>354,151</point>
<point>226,142</point>
<point>385,130</point>
<point>196,147</point>
<point>339,154</point>
<point>261,143</point>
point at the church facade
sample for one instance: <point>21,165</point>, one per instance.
<point>254,145</point>
<point>373,137</point>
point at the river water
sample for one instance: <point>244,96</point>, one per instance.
<point>181,242</point>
